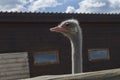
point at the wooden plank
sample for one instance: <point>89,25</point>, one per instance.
<point>13,60</point>
<point>14,66</point>
<point>14,69</point>
<point>9,72</point>
<point>14,77</point>
<point>13,55</point>
<point>19,72</point>
<point>113,74</point>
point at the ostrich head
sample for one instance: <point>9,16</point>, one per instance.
<point>68,28</point>
<point>71,29</point>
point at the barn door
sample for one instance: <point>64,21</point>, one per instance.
<point>14,66</point>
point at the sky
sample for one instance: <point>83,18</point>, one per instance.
<point>67,6</point>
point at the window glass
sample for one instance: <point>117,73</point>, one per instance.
<point>97,54</point>
<point>46,57</point>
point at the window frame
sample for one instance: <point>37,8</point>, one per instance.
<point>46,52</point>
<point>99,59</point>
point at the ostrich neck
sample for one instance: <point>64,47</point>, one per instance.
<point>76,47</point>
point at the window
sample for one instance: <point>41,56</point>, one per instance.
<point>98,54</point>
<point>47,57</point>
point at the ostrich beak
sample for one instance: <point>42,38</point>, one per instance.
<point>57,29</point>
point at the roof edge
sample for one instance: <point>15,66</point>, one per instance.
<point>21,12</point>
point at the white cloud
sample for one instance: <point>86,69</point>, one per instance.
<point>12,5</point>
<point>97,6</point>
<point>70,9</point>
<point>84,6</point>
<point>12,8</point>
<point>26,5</point>
<point>23,1</point>
<point>114,3</point>
<point>90,5</point>
<point>42,4</point>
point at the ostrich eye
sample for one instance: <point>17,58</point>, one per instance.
<point>67,24</point>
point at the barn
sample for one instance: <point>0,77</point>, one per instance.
<point>29,49</point>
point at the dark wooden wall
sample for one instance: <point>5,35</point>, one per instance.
<point>101,35</point>
<point>31,35</point>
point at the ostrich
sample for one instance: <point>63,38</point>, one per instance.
<point>71,29</point>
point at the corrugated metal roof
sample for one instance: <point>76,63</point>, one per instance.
<point>6,12</point>
<point>57,17</point>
